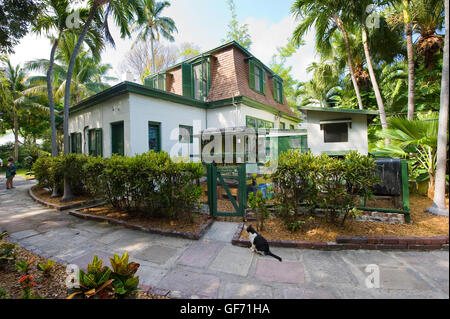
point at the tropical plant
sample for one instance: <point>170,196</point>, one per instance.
<point>27,282</point>
<point>95,283</point>
<point>155,25</point>
<point>416,140</point>
<point>125,282</point>
<point>7,253</point>
<point>257,203</point>
<point>47,267</point>
<point>327,16</point>
<point>17,98</point>
<point>124,12</point>
<point>24,266</point>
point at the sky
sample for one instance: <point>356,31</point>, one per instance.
<point>205,23</point>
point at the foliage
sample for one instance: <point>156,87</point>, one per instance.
<point>50,171</point>
<point>24,266</point>
<point>258,205</point>
<point>47,267</point>
<point>15,17</point>
<point>329,183</point>
<point>236,32</point>
<point>7,253</point>
<point>27,282</point>
<point>125,282</point>
<point>95,283</point>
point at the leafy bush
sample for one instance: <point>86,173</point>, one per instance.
<point>257,203</point>
<point>49,172</point>
<point>329,183</point>
<point>125,283</point>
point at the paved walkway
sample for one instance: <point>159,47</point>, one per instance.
<point>213,268</point>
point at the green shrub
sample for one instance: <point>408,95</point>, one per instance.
<point>94,181</point>
<point>329,183</point>
<point>257,203</point>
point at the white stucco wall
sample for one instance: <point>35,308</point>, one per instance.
<point>144,109</point>
<point>101,116</point>
<point>357,134</point>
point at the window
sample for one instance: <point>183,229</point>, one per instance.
<point>335,132</point>
<point>278,90</point>
<point>186,134</point>
<point>154,136</point>
<point>196,79</point>
<point>95,143</point>
<point>282,126</point>
<point>258,123</point>
<point>156,82</point>
<point>292,127</point>
<point>257,77</point>
<point>117,139</point>
<point>75,143</point>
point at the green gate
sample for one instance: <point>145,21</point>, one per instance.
<point>219,174</point>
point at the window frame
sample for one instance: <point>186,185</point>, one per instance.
<point>252,67</point>
<point>98,135</point>
<point>267,124</point>
<point>325,134</point>
<point>158,138</point>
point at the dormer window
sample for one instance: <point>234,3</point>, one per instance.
<point>157,81</point>
<point>196,79</point>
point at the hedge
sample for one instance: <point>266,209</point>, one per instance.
<point>151,183</point>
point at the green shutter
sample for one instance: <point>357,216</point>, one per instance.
<point>148,82</point>
<point>79,150</point>
<point>186,74</point>
<point>251,74</point>
<point>99,142</point>
<point>275,89</point>
<point>263,81</point>
<point>280,84</point>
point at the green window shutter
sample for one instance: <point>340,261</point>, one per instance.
<point>280,84</point>
<point>79,150</point>
<point>275,89</point>
<point>186,74</point>
<point>263,81</point>
<point>148,82</point>
<point>99,142</point>
<point>72,143</point>
<point>208,74</point>
<point>251,74</point>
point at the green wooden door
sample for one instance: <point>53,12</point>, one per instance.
<point>117,139</point>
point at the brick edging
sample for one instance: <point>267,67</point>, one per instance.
<point>64,207</point>
<point>356,242</point>
<point>174,233</point>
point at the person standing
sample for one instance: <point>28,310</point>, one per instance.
<point>10,173</point>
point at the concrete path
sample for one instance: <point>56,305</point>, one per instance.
<point>213,268</point>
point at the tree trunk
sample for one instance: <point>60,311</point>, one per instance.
<point>68,196</point>
<point>439,207</point>
<point>153,52</point>
<point>373,79</point>
<point>431,185</point>
<point>51,101</point>
<point>349,61</point>
<point>16,136</point>
<point>410,50</point>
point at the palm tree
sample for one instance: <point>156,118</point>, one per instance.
<point>53,19</point>
<point>124,12</point>
<point>438,206</point>
<point>428,15</point>
<point>321,89</point>
<point>416,140</point>
<point>402,15</point>
<point>358,11</point>
<point>16,85</point>
<point>156,25</point>
<point>327,16</point>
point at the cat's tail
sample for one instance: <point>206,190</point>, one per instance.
<point>274,256</point>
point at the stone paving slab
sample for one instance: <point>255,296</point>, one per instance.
<point>400,278</point>
<point>308,293</point>
<point>199,254</point>
<point>233,260</point>
<point>221,231</point>
<point>156,254</point>
<point>275,271</point>
<point>24,234</point>
<point>191,283</point>
<point>149,275</point>
<point>326,267</point>
<point>247,291</point>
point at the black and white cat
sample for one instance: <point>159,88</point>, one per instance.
<point>259,243</point>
